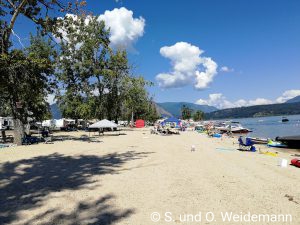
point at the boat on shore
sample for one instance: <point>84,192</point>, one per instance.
<point>233,127</point>
<point>257,140</point>
<point>290,141</point>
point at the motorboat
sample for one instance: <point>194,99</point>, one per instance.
<point>284,119</point>
<point>233,127</point>
<point>257,140</point>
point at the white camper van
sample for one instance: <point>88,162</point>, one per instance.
<point>60,124</point>
<point>48,123</point>
<point>6,123</point>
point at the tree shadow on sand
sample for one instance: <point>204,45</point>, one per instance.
<point>96,212</point>
<point>25,183</point>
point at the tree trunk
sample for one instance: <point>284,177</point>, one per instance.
<point>3,136</point>
<point>27,128</point>
<point>18,131</point>
<point>132,121</point>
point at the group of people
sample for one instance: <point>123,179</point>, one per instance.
<point>163,130</point>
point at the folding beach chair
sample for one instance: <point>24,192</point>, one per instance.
<point>48,140</point>
<point>248,146</point>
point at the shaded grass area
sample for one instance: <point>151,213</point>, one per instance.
<point>25,183</point>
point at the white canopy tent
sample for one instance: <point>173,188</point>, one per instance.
<point>104,124</point>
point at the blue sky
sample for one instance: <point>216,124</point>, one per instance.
<point>258,41</point>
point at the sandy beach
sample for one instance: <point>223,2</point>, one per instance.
<point>137,178</point>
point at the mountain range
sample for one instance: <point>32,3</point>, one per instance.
<point>256,111</point>
<point>293,100</point>
<point>164,109</point>
<point>174,108</point>
<point>170,109</point>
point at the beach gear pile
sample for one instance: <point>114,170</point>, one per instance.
<point>295,162</point>
<point>247,146</point>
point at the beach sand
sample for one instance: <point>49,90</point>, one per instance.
<point>125,179</point>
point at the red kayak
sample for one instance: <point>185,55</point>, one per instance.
<point>295,162</point>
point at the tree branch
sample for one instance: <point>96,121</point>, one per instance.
<point>11,4</point>
<point>11,25</point>
<point>15,15</point>
<point>17,37</point>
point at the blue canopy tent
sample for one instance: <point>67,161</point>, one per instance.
<point>171,121</point>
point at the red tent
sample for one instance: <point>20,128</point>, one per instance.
<point>139,123</point>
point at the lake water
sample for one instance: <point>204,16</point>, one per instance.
<point>271,127</point>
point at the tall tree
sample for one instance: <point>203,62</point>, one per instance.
<point>137,98</point>
<point>28,83</point>
<point>82,65</point>
<point>20,69</point>
<point>152,114</point>
<point>198,115</point>
<point>96,80</point>
<point>186,112</point>
<point>115,84</point>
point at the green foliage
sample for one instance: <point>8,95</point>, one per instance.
<point>115,84</point>
<point>27,79</point>
<point>93,81</point>
<point>198,115</point>
<point>81,66</point>
<point>152,114</point>
<point>186,112</point>
<point>25,76</point>
<point>96,80</point>
<point>137,101</point>
<point>5,109</point>
<point>38,11</point>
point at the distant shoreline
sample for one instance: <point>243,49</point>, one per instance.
<point>284,109</point>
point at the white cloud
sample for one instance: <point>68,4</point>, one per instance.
<point>287,95</point>
<point>221,102</point>
<point>186,60</point>
<point>204,78</point>
<point>62,30</point>
<point>226,69</point>
<point>260,101</point>
<point>51,99</point>
<point>96,92</point>
<point>217,100</point>
<point>125,30</point>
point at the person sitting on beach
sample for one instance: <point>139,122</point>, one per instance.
<point>210,133</point>
<point>45,133</point>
